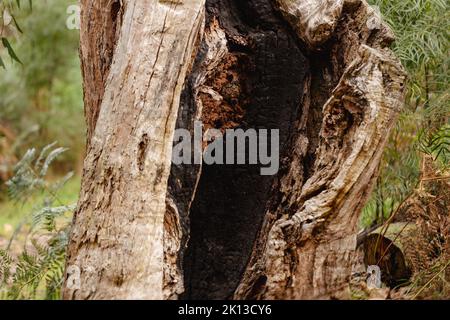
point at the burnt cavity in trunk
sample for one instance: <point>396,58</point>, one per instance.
<point>261,81</point>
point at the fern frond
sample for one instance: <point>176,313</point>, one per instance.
<point>50,158</point>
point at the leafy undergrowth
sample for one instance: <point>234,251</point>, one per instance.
<point>34,227</point>
<point>421,228</point>
<point>428,248</point>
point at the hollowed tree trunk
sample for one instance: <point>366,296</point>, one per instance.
<point>319,71</point>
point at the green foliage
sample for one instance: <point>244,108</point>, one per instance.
<point>437,145</point>
<point>47,87</point>
<point>11,52</point>
<point>30,172</point>
<point>421,28</point>
<point>8,25</point>
<point>40,266</point>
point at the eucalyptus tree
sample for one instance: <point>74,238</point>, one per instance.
<point>321,72</point>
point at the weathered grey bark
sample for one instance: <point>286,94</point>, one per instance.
<point>117,237</point>
<point>144,229</point>
<point>306,247</point>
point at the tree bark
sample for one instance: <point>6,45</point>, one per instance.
<point>319,71</point>
<point>133,78</point>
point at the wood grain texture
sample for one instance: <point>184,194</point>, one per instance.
<point>320,70</point>
<point>306,247</point>
<point>117,236</point>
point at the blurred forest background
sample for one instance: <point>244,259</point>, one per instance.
<point>42,137</point>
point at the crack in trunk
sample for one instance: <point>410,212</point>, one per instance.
<point>260,81</point>
<point>318,70</point>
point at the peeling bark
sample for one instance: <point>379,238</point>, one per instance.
<point>320,71</point>
<point>96,52</point>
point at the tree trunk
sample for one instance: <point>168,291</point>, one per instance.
<point>319,71</point>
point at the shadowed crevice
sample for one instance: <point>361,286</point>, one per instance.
<point>261,81</point>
